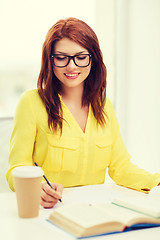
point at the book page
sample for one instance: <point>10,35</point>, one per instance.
<point>146,204</point>
<point>85,215</point>
<point>89,194</point>
<point>124,215</point>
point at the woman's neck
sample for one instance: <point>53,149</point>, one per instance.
<point>72,95</point>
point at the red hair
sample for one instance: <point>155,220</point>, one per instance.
<point>95,84</point>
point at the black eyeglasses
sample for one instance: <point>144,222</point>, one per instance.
<point>80,60</point>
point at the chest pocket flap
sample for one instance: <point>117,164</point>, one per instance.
<point>103,141</point>
<point>63,142</point>
<point>62,154</point>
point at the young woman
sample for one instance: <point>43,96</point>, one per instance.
<point>67,125</point>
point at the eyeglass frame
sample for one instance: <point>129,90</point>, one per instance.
<point>69,59</point>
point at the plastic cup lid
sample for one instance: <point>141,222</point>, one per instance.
<point>27,172</point>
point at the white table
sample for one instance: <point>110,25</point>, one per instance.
<point>15,228</point>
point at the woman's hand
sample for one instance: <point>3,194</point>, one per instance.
<point>49,196</point>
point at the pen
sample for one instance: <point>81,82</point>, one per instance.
<point>47,181</point>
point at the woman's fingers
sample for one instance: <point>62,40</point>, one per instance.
<point>47,202</point>
<point>49,196</point>
<point>58,188</point>
<point>51,192</point>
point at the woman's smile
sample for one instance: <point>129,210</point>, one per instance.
<point>71,75</point>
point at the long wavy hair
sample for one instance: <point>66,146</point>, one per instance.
<point>48,84</point>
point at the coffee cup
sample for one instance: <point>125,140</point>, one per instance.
<point>28,181</point>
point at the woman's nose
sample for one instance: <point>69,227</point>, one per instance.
<point>71,65</point>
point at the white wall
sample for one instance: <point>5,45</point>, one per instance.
<point>138,79</point>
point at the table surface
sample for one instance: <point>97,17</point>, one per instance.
<point>15,228</point>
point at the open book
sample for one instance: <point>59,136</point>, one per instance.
<point>82,219</point>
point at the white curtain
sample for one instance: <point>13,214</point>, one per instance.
<point>138,79</point>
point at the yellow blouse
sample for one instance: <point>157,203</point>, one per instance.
<point>75,158</point>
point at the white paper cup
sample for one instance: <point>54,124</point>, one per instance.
<point>28,181</point>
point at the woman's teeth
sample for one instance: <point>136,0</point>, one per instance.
<point>71,75</point>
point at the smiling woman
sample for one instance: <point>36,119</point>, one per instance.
<point>68,126</point>
<point>72,37</point>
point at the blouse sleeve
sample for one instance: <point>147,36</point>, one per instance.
<point>22,138</point>
<point>121,169</point>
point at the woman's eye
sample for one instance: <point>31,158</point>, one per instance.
<point>60,58</point>
<point>81,57</point>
